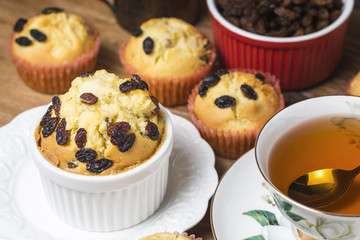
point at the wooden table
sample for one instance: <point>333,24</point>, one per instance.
<point>16,97</point>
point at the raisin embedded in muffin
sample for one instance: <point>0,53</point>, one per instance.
<point>103,125</point>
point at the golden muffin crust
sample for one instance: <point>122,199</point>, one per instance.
<point>235,101</point>
<point>164,47</point>
<point>354,85</point>
<point>67,37</point>
<point>121,124</point>
<point>165,236</point>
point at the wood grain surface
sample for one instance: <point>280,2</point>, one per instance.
<point>16,97</point>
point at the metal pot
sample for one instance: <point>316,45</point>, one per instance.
<point>131,13</point>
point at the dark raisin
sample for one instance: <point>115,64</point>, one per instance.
<point>137,32</point>
<point>41,37</point>
<point>204,58</point>
<point>203,90</point>
<point>140,84</point>
<point>51,10</point>
<point>80,138</point>
<point>127,86</point>
<point>56,105</point>
<point>152,130</point>
<point>62,135</point>
<point>225,101</point>
<point>124,126</point>
<point>72,164</point>
<point>148,45</point>
<point>23,41</point>
<point>156,110</point>
<point>86,74</point>
<point>88,98</point>
<point>211,80</point>
<point>260,76</point>
<point>46,116</point>
<point>248,91</point>
<point>207,45</point>
<point>99,165</point>
<point>50,126</point>
<point>222,71</point>
<point>19,25</point>
<point>117,136</point>
<point>128,143</point>
<point>85,155</point>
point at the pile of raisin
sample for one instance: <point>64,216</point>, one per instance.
<point>135,83</point>
<point>280,18</point>
<point>119,137</point>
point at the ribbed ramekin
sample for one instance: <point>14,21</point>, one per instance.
<point>298,62</point>
<point>106,203</point>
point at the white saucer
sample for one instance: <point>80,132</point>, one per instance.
<point>243,209</point>
<point>24,213</point>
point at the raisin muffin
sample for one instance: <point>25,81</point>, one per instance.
<point>103,125</point>
<point>170,55</point>
<point>170,236</point>
<point>353,87</point>
<point>49,50</point>
<point>230,107</point>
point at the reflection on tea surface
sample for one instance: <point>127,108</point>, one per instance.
<point>327,142</point>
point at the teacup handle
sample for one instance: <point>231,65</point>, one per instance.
<point>111,6</point>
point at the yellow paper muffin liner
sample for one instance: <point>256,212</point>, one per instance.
<point>55,78</point>
<point>230,144</point>
<point>170,91</point>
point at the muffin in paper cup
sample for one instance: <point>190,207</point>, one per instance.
<point>54,76</point>
<point>170,236</point>
<point>232,142</point>
<point>169,80</point>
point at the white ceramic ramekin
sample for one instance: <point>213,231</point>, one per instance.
<point>106,203</point>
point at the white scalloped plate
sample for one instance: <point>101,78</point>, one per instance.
<point>24,213</point>
<point>243,209</point>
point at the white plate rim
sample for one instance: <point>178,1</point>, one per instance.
<point>284,227</point>
<point>207,173</point>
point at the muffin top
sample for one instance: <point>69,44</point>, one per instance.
<point>103,125</point>
<point>165,236</point>
<point>166,47</point>
<point>235,101</point>
<point>354,85</point>
<point>54,36</point>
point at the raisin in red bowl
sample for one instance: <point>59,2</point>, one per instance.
<point>298,61</point>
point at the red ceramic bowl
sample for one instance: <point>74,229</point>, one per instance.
<point>298,62</point>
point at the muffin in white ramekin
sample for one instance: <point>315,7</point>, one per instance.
<point>84,192</point>
<point>106,203</point>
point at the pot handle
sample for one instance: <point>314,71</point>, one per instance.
<point>111,6</point>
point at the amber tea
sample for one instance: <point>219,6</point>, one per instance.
<point>327,142</point>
